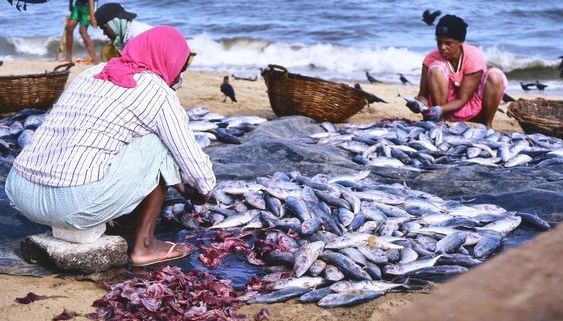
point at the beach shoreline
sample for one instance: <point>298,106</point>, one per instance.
<point>201,89</point>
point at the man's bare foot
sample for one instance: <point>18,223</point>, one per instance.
<point>158,252</point>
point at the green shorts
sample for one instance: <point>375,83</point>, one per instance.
<point>81,13</point>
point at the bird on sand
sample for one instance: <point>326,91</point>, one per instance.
<point>228,90</point>
<point>404,80</point>
<point>526,86</point>
<point>540,86</point>
<point>371,97</point>
<point>371,79</point>
<point>429,18</point>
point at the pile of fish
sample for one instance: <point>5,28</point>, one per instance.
<point>17,130</point>
<point>346,239</point>
<point>432,145</point>
<point>209,127</point>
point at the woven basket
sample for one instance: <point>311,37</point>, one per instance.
<point>293,94</point>
<point>32,91</point>
<point>538,116</point>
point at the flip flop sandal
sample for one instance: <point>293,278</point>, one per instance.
<point>86,60</point>
<point>166,257</point>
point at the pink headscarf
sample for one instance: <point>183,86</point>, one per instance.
<point>161,50</point>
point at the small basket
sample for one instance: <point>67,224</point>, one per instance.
<point>32,91</point>
<point>538,116</point>
<point>293,94</point>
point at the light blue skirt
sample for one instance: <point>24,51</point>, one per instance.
<point>133,174</point>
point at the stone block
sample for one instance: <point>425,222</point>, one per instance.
<point>79,236</point>
<point>102,254</point>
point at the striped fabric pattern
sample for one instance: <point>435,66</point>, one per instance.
<point>93,119</point>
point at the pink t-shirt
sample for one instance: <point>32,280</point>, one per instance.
<point>473,60</point>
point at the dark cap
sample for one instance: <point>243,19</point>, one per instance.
<point>109,11</point>
<point>452,27</point>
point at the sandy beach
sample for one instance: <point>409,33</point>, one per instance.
<point>202,89</point>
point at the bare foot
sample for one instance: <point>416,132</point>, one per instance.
<point>158,252</point>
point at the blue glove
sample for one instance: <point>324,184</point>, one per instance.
<point>433,114</point>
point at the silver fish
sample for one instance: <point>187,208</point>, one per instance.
<point>301,282</point>
<point>236,220</point>
<point>361,239</point>
<point>401,269</point>
<point>503,226</point>
<point>317,268</point>
<point>305,257</point>
<point>348,298</point>
<point>279,296</point>
<point>380,286</point>
<point>451,242</point>
<point>332,273</point>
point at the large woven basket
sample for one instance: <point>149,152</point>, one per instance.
<point>34,90</point>
<point>294,94</point>
<point>538,116</point>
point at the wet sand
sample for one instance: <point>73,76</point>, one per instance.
<point>202,89</point>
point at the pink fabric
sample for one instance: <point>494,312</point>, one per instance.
<point>475,104</point>
<point>161,50</point>
<point>473,61</point>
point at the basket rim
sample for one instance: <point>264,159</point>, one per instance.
<point>271,69</point>
<point>46,74</point>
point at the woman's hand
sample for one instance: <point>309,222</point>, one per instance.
<point>433,114</point>
<point>194,196</point>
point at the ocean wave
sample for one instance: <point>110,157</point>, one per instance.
<point>245,55</point>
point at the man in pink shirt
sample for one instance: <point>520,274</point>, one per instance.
<point>455,82</point>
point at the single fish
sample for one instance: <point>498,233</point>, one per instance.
<point>301,282</point>
<point>451,242</point>
<point>317,268</point>
<point>279,296</point>
<point>315,295</point>
<point>379,286</point>
<point>402,269</point>
<point>503,226</point>
<point>487,246</point>
<point>306,256</point>
<point>346,265</point>
<point>348,298</point>
<point>236,220</point>
<point>333,274</point>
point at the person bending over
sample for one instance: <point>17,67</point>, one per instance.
<point>113,142</point>
<point>119,25</point>
<point>455,81</point>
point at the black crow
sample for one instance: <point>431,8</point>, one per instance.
<point>371,97</point>
<point>540,86</point>
<point>228,90</point>
<point>371,79</point>
<point>561,67</point>
<point>526,86</point>
<point>430,17</point>
<point>404,80</point>
<point>506,98</point>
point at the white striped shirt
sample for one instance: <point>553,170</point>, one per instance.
<point>94,119</point>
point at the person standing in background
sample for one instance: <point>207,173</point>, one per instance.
<point>81,12</point>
